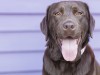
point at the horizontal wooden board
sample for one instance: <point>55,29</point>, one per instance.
<point>25,62</point>
<point>20,23</point>
<point>90,3</point>
<point>32,42</point>
<point>13,64</point>
<point>37,73</point>
<point>20,62</point>
<point>24,6</point>
<point>25,74</point>
<point>29,23</point>
<point>17,6</point>
<point>22,74</point>
<point>21,41</point>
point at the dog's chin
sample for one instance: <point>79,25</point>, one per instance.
<point>69,48</point>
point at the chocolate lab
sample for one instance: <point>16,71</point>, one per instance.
<point>68,25</point>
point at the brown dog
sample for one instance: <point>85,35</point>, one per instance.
<point>68,25</point>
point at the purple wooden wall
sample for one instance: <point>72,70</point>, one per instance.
<point>21,42</point>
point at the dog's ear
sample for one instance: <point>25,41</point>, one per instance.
<point>91,22</point>
<point>92,25</point>
<point>44,24</point>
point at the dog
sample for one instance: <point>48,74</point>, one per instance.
<point>67,26</point>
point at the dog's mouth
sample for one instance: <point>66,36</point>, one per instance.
<point>69,48</point>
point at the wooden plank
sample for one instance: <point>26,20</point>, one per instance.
<point>20,62</point>
<point>22,74</point>
<point>20,23</point>
<point>37,74</point>
<point>28,23</point>
<point>17,6</point>
<point>21,42</point>
<point>31,6</point>
<point>26,61</point>
<point>42,5</point>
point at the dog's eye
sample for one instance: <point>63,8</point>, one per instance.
<point>57,13</point>
<point>79,13</point>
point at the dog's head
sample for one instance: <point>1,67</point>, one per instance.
<point>69,24</point>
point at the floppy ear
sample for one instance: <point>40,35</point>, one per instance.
<point>92,25</point>
<point>91,22</point>
<point>44,25</point>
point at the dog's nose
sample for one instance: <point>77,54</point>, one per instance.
<point>69,25</point>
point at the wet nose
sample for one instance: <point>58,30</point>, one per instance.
<point>69,25</point>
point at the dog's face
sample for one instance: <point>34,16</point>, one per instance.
<point>71,23</point>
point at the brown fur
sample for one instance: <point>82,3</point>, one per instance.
<point>53,61</point>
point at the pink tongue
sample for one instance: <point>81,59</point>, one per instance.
<point>69,49</point>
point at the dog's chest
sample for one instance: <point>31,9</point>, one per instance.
<point>68,69</point>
